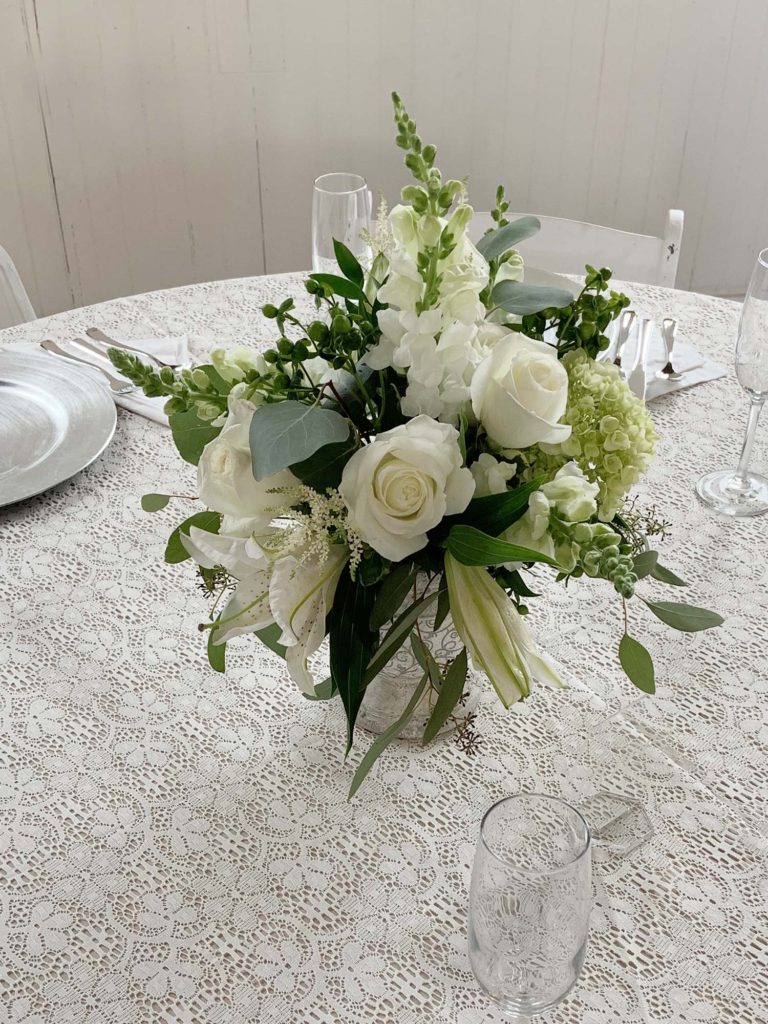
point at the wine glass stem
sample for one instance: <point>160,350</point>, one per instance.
<point>746,452</point>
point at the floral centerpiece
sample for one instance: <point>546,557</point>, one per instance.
<point>437,432</point>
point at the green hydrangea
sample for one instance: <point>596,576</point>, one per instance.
<point>612,437</point>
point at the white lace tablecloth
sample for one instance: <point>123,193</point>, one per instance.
<point>177,846</point>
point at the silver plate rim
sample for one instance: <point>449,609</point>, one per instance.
<point>100,400</point>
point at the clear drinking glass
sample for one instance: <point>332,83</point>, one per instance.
<point>341,209</point>
<point>741,492</point>
<point>530,901</point>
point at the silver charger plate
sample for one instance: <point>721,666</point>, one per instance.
<point>54,421</point>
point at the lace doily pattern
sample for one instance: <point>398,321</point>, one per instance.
<point>177,845</point>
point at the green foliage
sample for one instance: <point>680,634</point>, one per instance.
<point>473,547</point>
<point>154,502</point>
<point>396,636</point>
<point>450,694</point>
<point>216,653</point>
<point>525,299</point>
<point>191,434</point>
<point>348,264</point>
<point>393,591</point>
<point>637,664</point>
<point>270,637</point>
<point>645,563</point>
<point>494,513</point>
<point>494,244</point>
<point>174,550</point>
<point>285,433</point>
<point>685,617</point>
<point>324,468</point>
<point>660,572</point>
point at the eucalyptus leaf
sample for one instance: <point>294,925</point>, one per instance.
<point>685,617</point>
<point>637,664</point>
<point>497,242</point>
<point>382,742</point>
<point>397,635</point>
<point>392,593</point>
<point>174,549</point>
<point>339,285</point>
<point>191,434</point>
<point>154,502</point>
<point>660,572</point>
<point>522,299</point>
<point>352,643</point>
<point>324,468</point>
<point>216,652</point>
<point>285,433</point>
<point>472,547</point>
<point>443,604</point>
<point>348,263</point>
<point>449,696</point>
<point>645,563</point>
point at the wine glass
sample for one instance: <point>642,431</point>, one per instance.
<point>341,210</point>
<point>741,492</point>
<point>529,903</point>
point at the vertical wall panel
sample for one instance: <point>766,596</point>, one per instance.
<point>149,144</point>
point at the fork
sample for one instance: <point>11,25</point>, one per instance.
<point>97,335</point>
<point>118,387</point>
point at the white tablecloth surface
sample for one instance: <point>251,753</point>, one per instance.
<point>177,846</point>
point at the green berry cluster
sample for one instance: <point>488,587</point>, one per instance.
<point>604,554</point>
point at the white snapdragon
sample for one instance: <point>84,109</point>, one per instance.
<point>491,475</point>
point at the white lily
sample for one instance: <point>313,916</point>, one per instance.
<point>494,633</point>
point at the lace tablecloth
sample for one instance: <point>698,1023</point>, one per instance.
<point>177,845</point>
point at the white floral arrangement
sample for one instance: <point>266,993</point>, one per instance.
<point>439,431</point>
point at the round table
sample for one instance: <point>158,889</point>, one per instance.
<point>178,846</point>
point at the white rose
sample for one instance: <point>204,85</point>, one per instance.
<point>519,393</point>
<point>225,480</point>
<point>404,483</point>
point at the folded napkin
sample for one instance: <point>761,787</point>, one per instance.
<point>171,350</point>
<point>694,367</point>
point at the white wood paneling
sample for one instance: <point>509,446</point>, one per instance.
<point>147,144</point>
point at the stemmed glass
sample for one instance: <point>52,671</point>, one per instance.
<point>529,903</point>
<point>341,209</point>
<point>744,493</point>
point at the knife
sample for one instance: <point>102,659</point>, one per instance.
<point>636,376</point>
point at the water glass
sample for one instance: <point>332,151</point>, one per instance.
<point>529,903</point>
<point>341,209</point>
<point>741,492</point>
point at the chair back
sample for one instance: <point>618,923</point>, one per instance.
<point>565,246</point>
<point>15,307</point>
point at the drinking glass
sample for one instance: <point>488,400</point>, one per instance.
<point>741,492</point>
<point>341,209</point>
<point>529,903</point>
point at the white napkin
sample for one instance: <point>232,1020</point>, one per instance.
<point>172,350</point>
<point>694,367</point>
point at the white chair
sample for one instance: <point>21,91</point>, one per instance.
<point>565,246</point>
<point>15,307</point>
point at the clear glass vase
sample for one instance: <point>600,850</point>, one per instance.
<point>388,694</point>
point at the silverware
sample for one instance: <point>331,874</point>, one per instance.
<point>668,333</point>
<point>97,335</point>
<point>636,377</point>
<point>626,322</point>
<point>118,387</point>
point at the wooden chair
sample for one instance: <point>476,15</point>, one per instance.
<point>15,307</point>
<point>565,246</point>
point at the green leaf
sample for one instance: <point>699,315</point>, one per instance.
<point>340,285</point>
<point>497,242</point>
<point>174,549</point>
<point>352,642</point>
<point>270,637</point>
<point>685,617</point>
<point>660,572</point>
<point>515,582</point>
<point>472,547</point>
<point>392,593</point>
<point>154,502</point>
<point>284,433</point>
<point>522,299</point>
<point>396,636</point>
<point>424,657</point>
<point>494,513</point>
<point>637,663</point>
<point>191,434</point>
<point>348,264</point>
<point>216,652</point>
<point>382,742</point>
<point>449,696</point>
<point>323,469</point>
<point>443,604</point>
<point>323,691</point>
<point>645,563</point>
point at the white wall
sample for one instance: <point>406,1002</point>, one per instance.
<point>147,143</point>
